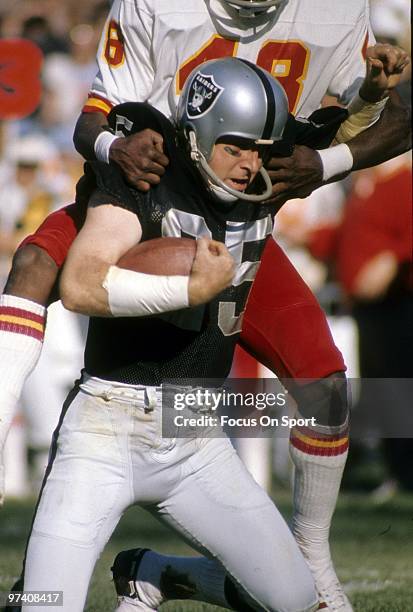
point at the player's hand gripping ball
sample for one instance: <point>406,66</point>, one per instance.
<point>169,256</point>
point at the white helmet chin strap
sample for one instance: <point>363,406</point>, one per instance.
<point>217,185</point>
<point>218,192</point>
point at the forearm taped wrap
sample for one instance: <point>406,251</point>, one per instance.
<point>134,294</point>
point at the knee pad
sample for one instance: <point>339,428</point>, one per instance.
<point>242,602</point>
<point>325,399</point>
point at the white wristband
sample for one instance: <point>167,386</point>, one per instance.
<point>102,145</point>
<point>335,160</point>
<point>134,294</point>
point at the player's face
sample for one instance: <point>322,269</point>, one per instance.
<point>236,166</point>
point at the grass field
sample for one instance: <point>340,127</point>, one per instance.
<point>372,546</point>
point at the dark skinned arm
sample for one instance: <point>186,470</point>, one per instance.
<point>298,175</point>
<point>389,137</point>
<point>140,155</point>
<point>88,128</point>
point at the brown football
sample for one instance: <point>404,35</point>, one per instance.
<point>169,256</point>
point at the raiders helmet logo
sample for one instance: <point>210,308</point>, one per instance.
<point>203,93</point>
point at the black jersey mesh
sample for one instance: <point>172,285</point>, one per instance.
<point>150,351</point>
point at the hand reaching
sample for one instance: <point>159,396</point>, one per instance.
<point>141,158</point>
<point>295,176</point>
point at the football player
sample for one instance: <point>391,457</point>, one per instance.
<point>109,451</point>
<point>127,358</point>
<point>313,50</point>
<point>136,64</point>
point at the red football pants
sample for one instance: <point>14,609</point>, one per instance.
<point>284,326</point>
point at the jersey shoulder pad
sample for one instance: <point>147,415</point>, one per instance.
<point>132,117</point>
<point>111,182</point>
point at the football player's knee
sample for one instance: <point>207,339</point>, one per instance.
<point>325,399</point>
<point>32,275</point>
<point>275,596</point>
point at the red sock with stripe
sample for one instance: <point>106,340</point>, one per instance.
<point>22,325</point>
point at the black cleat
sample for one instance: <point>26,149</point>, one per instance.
<point>125,569</point>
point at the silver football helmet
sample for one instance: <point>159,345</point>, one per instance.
<point>231,97</point>
<point>250,8</point>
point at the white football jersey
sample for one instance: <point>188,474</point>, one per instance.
<point>149,47</point>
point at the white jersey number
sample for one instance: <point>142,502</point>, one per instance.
<point>177,222</point>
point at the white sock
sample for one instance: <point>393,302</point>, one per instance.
<point>22,325</point>
<point>196,578</point>
<point>319,464</point>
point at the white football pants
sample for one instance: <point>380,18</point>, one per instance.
<point>110,454</point>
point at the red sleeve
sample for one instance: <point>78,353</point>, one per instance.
<point>57,232</point>
<point>97,104</point>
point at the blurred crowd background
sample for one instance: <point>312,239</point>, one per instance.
<point>39,168</point>
<point>351,241</point>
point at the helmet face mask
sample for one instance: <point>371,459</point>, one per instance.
<point>231,98</point>
<point>251,8</point>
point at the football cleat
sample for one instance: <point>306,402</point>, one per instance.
<point>125,604</point>
<point>330,591</point>
<point>335,601</point>
<point>124,570</point>
<point>331,595</point>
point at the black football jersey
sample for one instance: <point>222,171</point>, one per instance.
<point>194,342</point>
